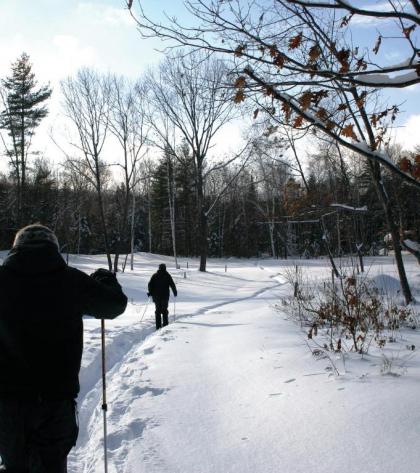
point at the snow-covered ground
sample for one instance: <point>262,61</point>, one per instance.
<point>230,385</point>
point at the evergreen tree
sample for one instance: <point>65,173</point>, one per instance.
<point>23,110</point>
<point>161,224</point>
<point>186,201</point>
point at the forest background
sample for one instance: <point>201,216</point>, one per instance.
<point>103,148</point>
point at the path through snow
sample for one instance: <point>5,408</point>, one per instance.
<point>232,388</point>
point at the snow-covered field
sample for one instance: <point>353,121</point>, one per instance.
<point>230,385</point>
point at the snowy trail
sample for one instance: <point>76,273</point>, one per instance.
<point>120,342</point>
<point>231,388</point>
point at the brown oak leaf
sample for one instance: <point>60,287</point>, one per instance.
<point>361,65</point>
<point>348,131</point>
<point>285,107</point>
<point>279,60</point>
<point>239,50</point>
<point>273,50</point>
<point>268,90</point>
<point>377,44</point>
<point>296,41</point>
<point>343,58</point>
<point>409,30</point>
<point>346,19</point>
<point>322,113</point>
<point>298,122</point>
<point>374,120</point>
<point>239,96</point>
<point>361,100</point>
<point>240,82</point>
<point>305,100</point>
<point>314,53</point>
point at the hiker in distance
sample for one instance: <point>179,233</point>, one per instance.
<point>42,301</point>
<point>159,290</point>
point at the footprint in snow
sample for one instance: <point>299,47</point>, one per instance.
<point>131,431</point>
<point>290,380</point>
<point>149,351</point>
<point>133,360</point>
<point>95,330</point>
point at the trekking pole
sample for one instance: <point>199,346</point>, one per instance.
<point>174,310</point>
<point>144,312</point>
<point>104,404</point>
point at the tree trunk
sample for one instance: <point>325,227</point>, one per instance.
<point>375,171</point>
<point>360,255</point>
<point>203,240</point>
<point>133,210</point>
<point>413,251</point>
<point>149,209</point>
<point>171,201</point>
<point>22,217</point>
<point>103,224</point>
<point>271,235</point>
<point>202,220</point>
<point>327,246</point>
<point>123,232</point>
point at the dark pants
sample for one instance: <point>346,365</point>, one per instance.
<point>161,312</point>
<point>37,436</point>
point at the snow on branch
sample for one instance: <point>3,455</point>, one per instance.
<point>385,80</point>
<point>348,207</point>
<point>413,245</point>
<point>327,128</point>
<point>347,6</point>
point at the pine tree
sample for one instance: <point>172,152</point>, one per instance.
<point>160,208</point>
<point>186,200</point>
<point>23,110</point>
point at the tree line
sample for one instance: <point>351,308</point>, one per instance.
<point>300,64</point>
<point>137,173</point>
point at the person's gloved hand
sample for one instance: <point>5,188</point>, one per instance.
<point>175,293</point>
<point>148,294</point>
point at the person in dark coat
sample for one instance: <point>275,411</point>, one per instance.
<point>159,285</point>
<point>42,301</point>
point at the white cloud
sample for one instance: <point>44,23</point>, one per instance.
<point>10,49</point>
<point>371,21</point>
<point>415,88</point>
<point>70,54</point>
<point>105,14</point>
<point>386,5</point>
<point>408,134</point>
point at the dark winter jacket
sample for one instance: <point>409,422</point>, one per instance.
<point>159,285</point>
<point>42,301</point>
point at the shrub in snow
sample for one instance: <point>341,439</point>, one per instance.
<point>348,313</point>
<point>395,364</point>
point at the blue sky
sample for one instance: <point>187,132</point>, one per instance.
<point>62,35</point>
